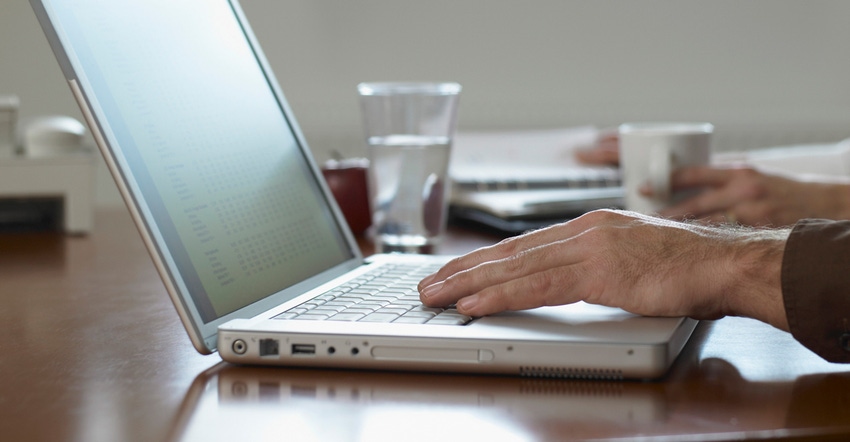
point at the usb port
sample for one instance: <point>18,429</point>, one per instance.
<point>268,347</point>
<point>303,349</point>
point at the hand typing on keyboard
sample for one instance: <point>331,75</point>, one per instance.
<point>387,294</point>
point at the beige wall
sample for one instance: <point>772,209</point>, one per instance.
<point>764,71</point>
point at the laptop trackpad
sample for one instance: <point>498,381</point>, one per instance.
<point>581,322</point>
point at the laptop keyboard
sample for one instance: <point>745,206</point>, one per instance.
<point>386,294</point>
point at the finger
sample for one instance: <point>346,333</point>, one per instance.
<point>498,272</point>
<point>699,176</point>
<point>701,205</point>
<point>692,177</point>
<point>557,286</point>
<point>509,259</point>
<point>500,250</point>
<point>517,244</point>
<point>512,249</point>
<point>605,154</point>
<point>765,214</point>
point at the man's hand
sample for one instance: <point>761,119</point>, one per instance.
<point>605,152</point>
<point>748,196</point>
<point>645,265</point>
<point>740,194</point>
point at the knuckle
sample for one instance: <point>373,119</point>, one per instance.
<point>598,237</point>
<point>602,216</point>
<point>511,246</point>
<point>750,176</point>
<point>469,280</point>
<point>456,264</point>
<point>515,264</point>
<point>494,298</point>
<point>560,286</point>
<point>541,283</point>
<point>462,278</point>
<point>607,214</point>
<point>752,190</point>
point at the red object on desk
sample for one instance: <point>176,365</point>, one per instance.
<point>347,180</point>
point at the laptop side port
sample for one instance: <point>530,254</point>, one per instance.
<point>239,347</point>
<point>303,349</point>
<point>269,347</point>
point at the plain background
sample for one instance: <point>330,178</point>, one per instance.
<point>765,72</point>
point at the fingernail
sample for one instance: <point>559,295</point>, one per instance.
<point>468,303</point>
<point>428,280</point>
<point>432,289</point>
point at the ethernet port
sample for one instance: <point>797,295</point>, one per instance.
<point>269,347</point>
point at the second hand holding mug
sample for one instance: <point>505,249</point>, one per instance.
<point>409,129</point>
<point>651,152</point>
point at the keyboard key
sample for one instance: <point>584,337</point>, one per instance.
<point>407,302</point>
<point>374,302</point>
<point>311,317</point>
<point>452,314</point>
<point>387,295</point>
<point>365,309</point>
<point>353,298</point>
<point>395,311</point>
<point>426,315</point>
<point>410,320</point>
<point>380,317</point>
<point>422,308</point>
<point>383,298</point>
<point>286,315</point>
<point>325,311</point>
<point>339,303</point>
<point>437,320</point>
<point>396,292</point>
<point>345,316</point>
<point>371,287</point>
<point>333,308</point>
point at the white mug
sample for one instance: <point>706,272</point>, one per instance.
<point>650,152</point>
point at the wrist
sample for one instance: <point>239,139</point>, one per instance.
<point>754,285</point>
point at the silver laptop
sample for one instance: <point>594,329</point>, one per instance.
<point>248,240</point>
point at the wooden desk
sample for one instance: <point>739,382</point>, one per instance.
<point>92,350</point>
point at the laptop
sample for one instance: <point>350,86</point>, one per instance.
<point>520,180</point>
<point>246,235</point>
<point>513,212</point>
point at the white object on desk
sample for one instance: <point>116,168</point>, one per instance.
<point>52,135</point>
<point>70,177</point>
<point>805,160</point>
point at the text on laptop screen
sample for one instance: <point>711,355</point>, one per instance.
<point>214,157</point>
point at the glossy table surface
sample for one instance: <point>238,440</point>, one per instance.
<point>92,350</point>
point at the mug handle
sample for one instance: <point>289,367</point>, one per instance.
<point>660,166</point>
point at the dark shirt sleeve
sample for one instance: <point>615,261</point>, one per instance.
<point>816,287</point>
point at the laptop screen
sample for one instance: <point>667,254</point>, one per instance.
<point>217,171</point>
